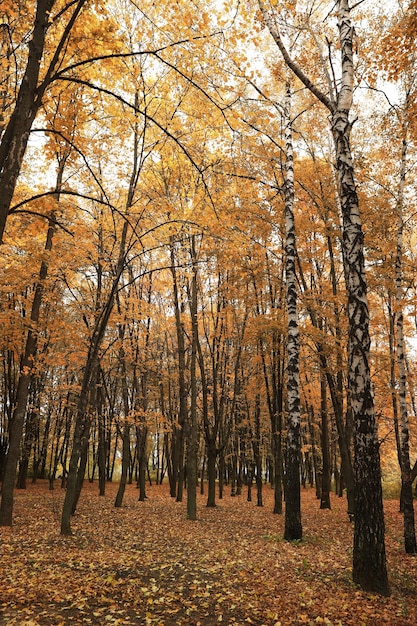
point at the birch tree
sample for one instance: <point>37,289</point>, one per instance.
<point>369,559</point>
<point>293,527</point>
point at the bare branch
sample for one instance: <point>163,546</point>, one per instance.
<point>293,65</point>
<point>151,119</point>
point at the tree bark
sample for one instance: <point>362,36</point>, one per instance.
<point>257,451</point>
<point>125,463</point>
<point>192,439</point>
<point>369,559</point>
<point>182,390</point>
<point>102,445</point>
<point>325,483</point>
<point>293,527</point>
<point>142,436</point>
<point>211,475</point>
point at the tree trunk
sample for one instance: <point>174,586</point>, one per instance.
<point>81,434</point>
<point>222,469</point>
<point>142,461</point>
<point>369,561</point>
<point>410,543</point>
<point>26,447</point>
<point>325,484</point>
<point>192,440</point>
<point>256,444</point>
<point>211,474</point>
<point>101,453</point>
<point>182,390</point>
<point>125,464</point>
<point>293,526</point>
<point>79,482</point>
<point>277,469</point>
<point>39,460</point>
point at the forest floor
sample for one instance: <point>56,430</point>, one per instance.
<point>145,563</point>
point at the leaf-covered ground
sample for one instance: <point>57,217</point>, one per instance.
<point>147,564</point>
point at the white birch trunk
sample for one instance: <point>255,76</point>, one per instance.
<point>369,560</point>
<point>293,527</point>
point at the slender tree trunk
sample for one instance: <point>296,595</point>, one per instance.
<point>54,456</point>
<point>192,440</point>
<point>316,462</point>
<point>393,380</point>
<point>81,434</point>
<point>257,451</point>
<point>182,390</point>
<point>126,458</point>
<point>211,474</point>
<point>277,428</point>
<point>233,473</point>
<point>170,453</point>
<point>26,447</point>
<point>142,462</point>
<point>222,469</point>
<point>277,469</point>
<point>111,454</point>
<point>82,467</point>
<point>325,485</point>
<point>63,453</point>
<point>410,543</point>
<point>181,468</point>
<point>39,460</point>
<point>336,393</point>
<point>101,452</point>
<point>251,471</point>
<point>293,526</point>
<point>125,464</point>
<point>203,471</point>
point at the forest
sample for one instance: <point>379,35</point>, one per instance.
<point>208,270</point>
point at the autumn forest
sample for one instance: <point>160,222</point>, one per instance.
<point>208,272</point>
